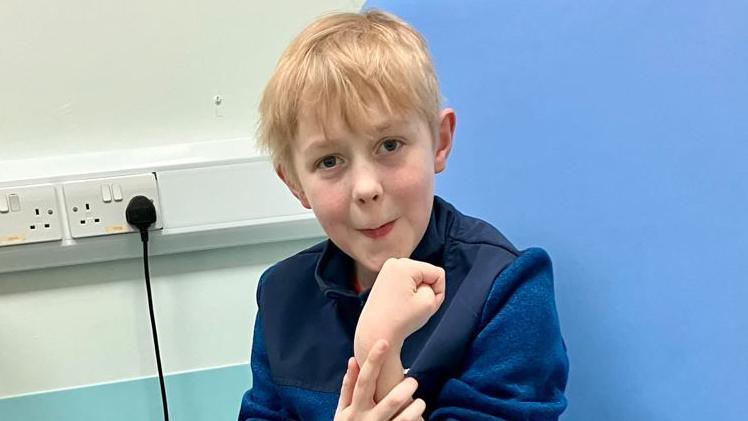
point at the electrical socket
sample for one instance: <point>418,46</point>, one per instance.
<point>97,207</point>
<point>29,214</point>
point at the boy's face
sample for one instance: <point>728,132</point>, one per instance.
<point>358,182</point>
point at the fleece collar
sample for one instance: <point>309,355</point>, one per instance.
<point>334,269</point>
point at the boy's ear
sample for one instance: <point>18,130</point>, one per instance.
<point>293,188</point>
<point>447,122</point>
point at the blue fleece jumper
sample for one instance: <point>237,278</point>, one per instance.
<point>493,350</point>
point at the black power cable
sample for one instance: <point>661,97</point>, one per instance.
<point>141,213</point>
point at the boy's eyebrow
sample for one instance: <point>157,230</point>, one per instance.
<point>322,143</point>
<point>383,126</point>
<point>395,122</point>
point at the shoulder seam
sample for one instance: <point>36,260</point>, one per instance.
<point>512,252</point>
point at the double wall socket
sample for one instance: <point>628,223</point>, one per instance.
<point>29,214</point>
<point>97,206</point>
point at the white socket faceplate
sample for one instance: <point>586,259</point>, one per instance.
<point>29,214</point>
<point>97,206</point>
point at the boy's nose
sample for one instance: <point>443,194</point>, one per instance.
<point>366,187</point>
<point>370,193</point>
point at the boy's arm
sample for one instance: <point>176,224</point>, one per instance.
<point>391,373</point>
<point>405,295</point>
<point>262,401</point>
<point>516,368</point>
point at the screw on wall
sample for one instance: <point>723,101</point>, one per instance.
<point>218,100</point>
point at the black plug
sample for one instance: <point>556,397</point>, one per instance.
<point>141,214</point>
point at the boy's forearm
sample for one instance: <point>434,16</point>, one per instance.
<point>365,338</point>
<point>391,374</point>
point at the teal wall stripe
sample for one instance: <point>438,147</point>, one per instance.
<point>213,395</point>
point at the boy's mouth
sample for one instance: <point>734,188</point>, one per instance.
<point>380,231</point>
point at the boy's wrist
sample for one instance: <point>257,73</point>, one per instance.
<point>363,344</point>
<point>365,339</point>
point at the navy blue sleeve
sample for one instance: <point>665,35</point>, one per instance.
<point>262,401</point>
<point>516,368</point>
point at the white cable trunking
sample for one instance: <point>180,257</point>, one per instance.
<point>209,194</point>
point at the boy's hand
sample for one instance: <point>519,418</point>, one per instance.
<point>357,393</point>
<point>405,295</point>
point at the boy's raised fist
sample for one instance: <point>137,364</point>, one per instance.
<point>405,295</point>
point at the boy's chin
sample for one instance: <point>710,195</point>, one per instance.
<point>376,265</point>
<point>372,265</point>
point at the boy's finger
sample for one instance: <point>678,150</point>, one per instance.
<point>398,398</point>
<point>413,412</point>
<point>426,295</point>
<point>346,390</point>
<point>363,393</point>
<point>440,280</point>
<point>432,275</point>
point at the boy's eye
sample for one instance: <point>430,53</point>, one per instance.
<point>327,162</point>
<point>390,145</point>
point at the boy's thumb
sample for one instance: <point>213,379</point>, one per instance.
<point>425,295</point>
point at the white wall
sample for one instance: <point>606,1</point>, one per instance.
<point>83,76</point>
<point>87,324</point>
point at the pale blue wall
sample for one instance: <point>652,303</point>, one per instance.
<point>614,134</point>
<point>213,394</point>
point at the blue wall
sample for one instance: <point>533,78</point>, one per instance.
<point>615,135</point>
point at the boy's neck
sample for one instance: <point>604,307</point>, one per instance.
<point>365,277</point>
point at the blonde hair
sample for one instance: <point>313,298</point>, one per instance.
<point>344,63</point>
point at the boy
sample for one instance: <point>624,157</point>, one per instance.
<point>406,283</point>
